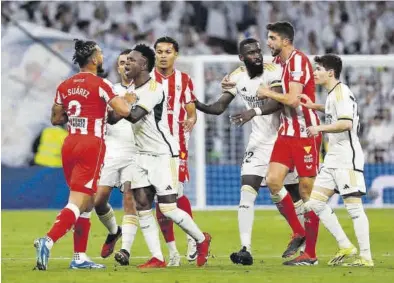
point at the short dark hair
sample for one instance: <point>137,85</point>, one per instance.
<point>148,53</point>
<point>330,62</point>
<point>83,51</point>
<point>284,29</point>
<point>167,39</point>
<point>245,42</point>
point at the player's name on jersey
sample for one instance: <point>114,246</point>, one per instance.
<point>76,91</point>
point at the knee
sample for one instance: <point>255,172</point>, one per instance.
<point>354,206</point>
<point>248,195</point>
<point>316,203</point>
<point>274,183</point>
<point>167,208</point>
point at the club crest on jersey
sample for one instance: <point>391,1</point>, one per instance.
<point>307,149</point>
<point>178,87</point>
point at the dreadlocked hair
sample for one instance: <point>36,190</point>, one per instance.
<point>83,51</point>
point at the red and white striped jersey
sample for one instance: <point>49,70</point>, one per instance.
<point>294,121</point>
<point>178,88</point>
<point>85,96</point>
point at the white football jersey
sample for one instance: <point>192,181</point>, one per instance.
<point>119,139</point>
<point>264,127</point>
<point>152,134</point>
<point>344,149</point>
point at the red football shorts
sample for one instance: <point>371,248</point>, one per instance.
<point>83,158</point>
<point>301,153</point>
<point>183,173</point>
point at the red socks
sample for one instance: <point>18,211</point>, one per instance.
<point>166,224</point>
<point>286,208</point>
<point>312,230</point>
<point>64,222</point>
<point>81,234</point>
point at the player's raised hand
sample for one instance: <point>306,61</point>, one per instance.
<point>312,131</point>
<point>262,91</point>
<point>241,118</point>
<point>227,83</point>
<point>306,101</point>
<point>130,97</point>
<point>188,124</point>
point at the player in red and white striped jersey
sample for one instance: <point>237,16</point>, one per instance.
<point>293,148</point>
<point>81,101</point>
<point>181,119</point>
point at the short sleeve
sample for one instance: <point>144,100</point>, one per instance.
<point>275,75</point>
<point>106,90</point>
<point>189,92</point>
<point>343,104</point>
<point>151,98</point>
<point>234,77</point>
<point>58,96</point>
<point>299,69</point>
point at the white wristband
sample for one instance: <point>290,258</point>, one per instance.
<point>258,111</point>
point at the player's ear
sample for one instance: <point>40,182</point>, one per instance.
<point>241,57</point>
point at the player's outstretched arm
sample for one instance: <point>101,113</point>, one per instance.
<point>217,107</point>
<point>307,102</point>
<point>269,106</point>
<point>59,116</point>
<point>191,120</point>
<point>289,99</point>
<point>337,127</point>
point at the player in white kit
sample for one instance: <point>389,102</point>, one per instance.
<point>342,170</point>
<point>119,155</point>
<point>247,80</point>
<point>156,167</point>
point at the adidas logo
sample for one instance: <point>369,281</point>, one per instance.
<point>244,89</point>
<point>346,187</point>
<point>168,188</point>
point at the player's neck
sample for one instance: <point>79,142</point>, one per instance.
<point>141,79</point>
<point>331,84</point>
<point>166,72</point>
<point>286,52</point>
<point>125,82</point>
<point>88,69</point>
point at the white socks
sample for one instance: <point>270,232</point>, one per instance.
<point>279,196</point>
<point>246,215</point>
<point>183,220</point>
<point>129,229</point>
<point>109,221</point>
<point>300,211</point>
<point>172,248</point>
<point>361,228</point>
<point>151,233</point>
<point>330,221</point>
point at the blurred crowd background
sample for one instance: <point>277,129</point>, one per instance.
<point>210,28</point>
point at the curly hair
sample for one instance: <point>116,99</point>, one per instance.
<point>83,51</point>
<point>148,53</point>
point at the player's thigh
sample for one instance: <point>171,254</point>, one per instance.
<point>137,173</point>
<point>69,158</point>
<point>282,154</point>
<point>324,186</point>
<point>255,166</point>
<point>110,175</point>
<point>350,182</point>
<point>86,172</point>
<point>163,175</point>
<point>305,154</point>
<point>144,197</point>
<point>127,170</point>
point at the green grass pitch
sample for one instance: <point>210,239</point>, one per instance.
<point>270,236</point>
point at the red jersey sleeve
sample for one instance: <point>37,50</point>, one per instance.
<point>298,72</point>
<point>58,96</point>
<point>189,94</point>
<point>106,91</point>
